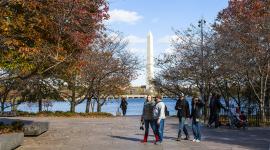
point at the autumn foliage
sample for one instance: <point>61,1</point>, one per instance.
<point>38,35</point>
<point>236,57</point>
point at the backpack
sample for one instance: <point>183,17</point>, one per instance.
<point>167,113</point>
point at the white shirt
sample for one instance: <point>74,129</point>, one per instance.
<point>159,111</point>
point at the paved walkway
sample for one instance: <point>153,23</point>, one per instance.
<point>123,133</point>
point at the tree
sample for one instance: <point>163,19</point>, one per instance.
<point>37,36</point>
<point>245,31</point>
<point>172,79</point>
<point>46,37</point>
<point>107,69</point>
<point>5,88</point>
<point>38,89</point>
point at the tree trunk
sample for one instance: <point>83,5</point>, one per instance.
<point>262,106</point>
<point>98,107</point>
<point>14,107</point>
<point>2,105</point>
<point>72,106</point>
<point>206,116</point>
<point>73,99</point>
<point>93,106</point>
<point>206,96</point>
<point>88,102</point>
<point>40,105</point>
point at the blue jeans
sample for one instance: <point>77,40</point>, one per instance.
<point>152,124</point>
<point>196,130</point>
<point>182,125</point>
<point>160,129</point>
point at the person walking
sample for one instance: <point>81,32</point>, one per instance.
<point>196,116</point>
<point>148,118</point>
<point>183,113</point>
<point>123,105</point>
<point>215,107</point>
<point>211,108</point>
<point>159,116</point>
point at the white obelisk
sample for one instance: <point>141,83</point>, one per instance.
<point>150,63</point>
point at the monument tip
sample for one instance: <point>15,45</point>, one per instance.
<point>150,33</point>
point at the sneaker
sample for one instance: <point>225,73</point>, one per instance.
<point>198,141</point>
<point>178,139</point>
<point>194,140</point>
<point>158,143</point>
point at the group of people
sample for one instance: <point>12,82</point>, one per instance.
<point>154,116</point>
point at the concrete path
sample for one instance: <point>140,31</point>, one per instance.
<point>122,133</point>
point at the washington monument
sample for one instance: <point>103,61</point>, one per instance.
<point>150,63</point>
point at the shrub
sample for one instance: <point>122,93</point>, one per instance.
<point>64,114</point>
<point>16,126</point>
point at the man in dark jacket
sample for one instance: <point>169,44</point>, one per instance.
<point>196,114</point>
<point>183,114</point>
<point>215,107</point>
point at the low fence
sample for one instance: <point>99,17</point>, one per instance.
<point>254,116</point>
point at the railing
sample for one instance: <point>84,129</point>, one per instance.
<point>254,116</point>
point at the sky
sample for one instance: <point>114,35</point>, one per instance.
<point>135,18</point>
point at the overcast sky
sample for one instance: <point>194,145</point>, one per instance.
<point>135,18</point>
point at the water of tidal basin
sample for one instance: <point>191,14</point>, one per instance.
<point>135,106</point>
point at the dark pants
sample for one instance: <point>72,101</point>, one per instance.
<point>214,117</point>
<point>124,111</point>
<point>152,125</point>
<point>210,121</point>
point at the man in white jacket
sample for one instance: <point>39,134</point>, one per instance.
<point>159,116</point>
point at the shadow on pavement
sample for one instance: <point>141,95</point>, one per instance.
<point>126,138</point>
<point>253,138</point>
<point>256,139</point>
<point>164,137</point>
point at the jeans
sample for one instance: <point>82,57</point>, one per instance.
<point>152,124</point>
<point>196,130</point>
<point>160,129</point>
<point>182,125</point>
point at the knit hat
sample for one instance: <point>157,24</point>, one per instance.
<point>196,95</point>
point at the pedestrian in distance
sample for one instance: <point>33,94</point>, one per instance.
<point>211,108</point>
<point>123,105</point>
<point>196,114</point>
<point>215,107</point>
<point>159,116</point>
<point>183,113</point>
<point>148,118</point>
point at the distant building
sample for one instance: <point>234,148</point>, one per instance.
<point>137,90</point>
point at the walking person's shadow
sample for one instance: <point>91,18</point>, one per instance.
<point>126,138</point>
